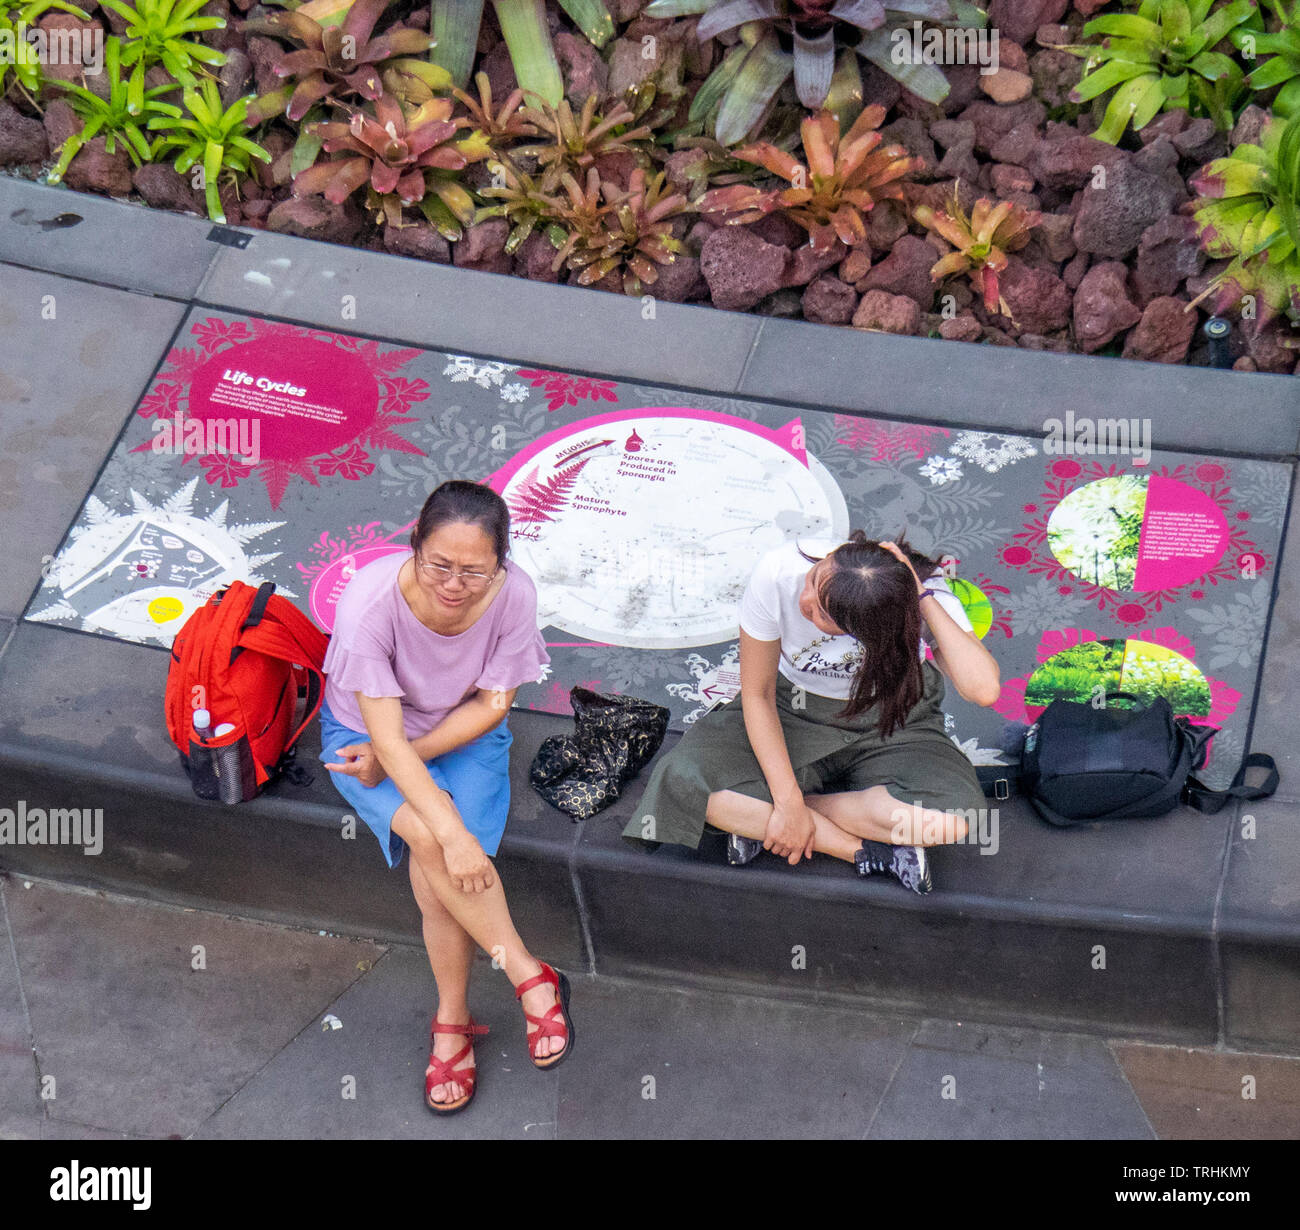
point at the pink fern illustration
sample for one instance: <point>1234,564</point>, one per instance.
<point>534,500</point>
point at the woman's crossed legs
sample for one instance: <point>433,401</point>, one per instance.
<point>842,821</point>
<point>454,923</point>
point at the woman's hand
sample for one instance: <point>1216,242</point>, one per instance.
<point>469,868</point>
<point>894,550</point>
<point>361,763</point>
<point>791,830</point>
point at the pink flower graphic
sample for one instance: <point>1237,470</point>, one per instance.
<point>565,390</point>
<point>226,468</point>
<point>351,463</point>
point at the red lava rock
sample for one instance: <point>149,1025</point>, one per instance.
<point>879,87</point>
<point>1168,252</point>
<point>885,313</point>
<point>94,169</point>
<point>582,68</point>
<point>854,266</point>
<point>1087,8</point>
<point>1071,161</point>
<point>963,327</point>
<point>64,61</point>
<point>777,228</point>
<point>235,77</point>
<point>1039,300</point>
<point>500,71</point>
<point>996,337</point>
<point>164,188</point>
<point>1038,341</point>
<point>1267,346</point>
<point>1111,219</point>
<point>1167,124</point>
<point>1201,142</point>
<point>784,304</point>
<point>964,87</point>
<point>806,264</point>
<point>22,139</point>
<point>697,234</point>
<point>885,223</point>
<point>960,163</point>
<point>679,280</point>
<point>1245,364</point>
<point>1010,52</point>
<point>483,247</point>
<point>1007,85</point>
<point>905,271</point>
<point>1018,146</point>
<point>419,241</point>
<point>953,132</point>
<point>828,301</point>
<point>741,268</point>
<point>1018,19</point>
<point>265,53</point>
<point>1053,34</point>
<point>617,167</point>
<point>914,136</point>
<point>1075,268</point>
<point>1055,74</point>
<point>1053,238</point>
<point>313,217</point>
<point>1102,307</point>
<point>993,122</point>
<point>1164,332</point>
<point>1160,158</point>
<point>1248,127</point>
<point>1007,179</point>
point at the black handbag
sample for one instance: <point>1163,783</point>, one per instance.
<point>614,738</point>
<point>1081,764</point>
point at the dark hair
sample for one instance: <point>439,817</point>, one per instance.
<point>872,597</point>
<point>460,502</point>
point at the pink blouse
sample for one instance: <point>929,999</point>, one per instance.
<point>379,648</point>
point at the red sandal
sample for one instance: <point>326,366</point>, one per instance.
<point>555,1023</point>
<point>442,1071</point>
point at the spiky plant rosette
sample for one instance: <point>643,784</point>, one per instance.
<point>397,156</point>
<point>630,235</point>
<point>338,60</point>
<point>805,39</point>
<point>573,143</point>
<point>1162,57</point>
<point>980,241</point>
<point>1281,69</point>
<point>1249,212</point>
<point>519,199</point>
<point>499,124</point>
<point>845,177</point>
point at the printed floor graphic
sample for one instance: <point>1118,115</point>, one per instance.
<point>269,451</point>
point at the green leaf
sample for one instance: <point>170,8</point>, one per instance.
<point>523,24</point>
<point>455,25</point>
<point>716,85</point>
<point>1107,77</point>
<point>592,18</point>
<point>1126,26</point>
<point>924,80</point>
<point>765,69</point>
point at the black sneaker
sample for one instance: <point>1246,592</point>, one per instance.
<point>909,864</point>
<point>742,850</point>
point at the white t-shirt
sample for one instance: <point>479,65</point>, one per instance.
<point>812,659</point>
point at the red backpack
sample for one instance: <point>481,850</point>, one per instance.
<point>247,656</point>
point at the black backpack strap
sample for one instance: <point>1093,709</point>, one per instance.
<point>258,609</point>
<point>1202,798</point>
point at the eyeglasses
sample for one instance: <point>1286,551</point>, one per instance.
<point>441,572</point>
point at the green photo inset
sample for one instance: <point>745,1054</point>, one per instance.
<point>1135,666</point>
<point>1095,531</point>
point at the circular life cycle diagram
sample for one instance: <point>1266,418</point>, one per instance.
<point>641,528</point>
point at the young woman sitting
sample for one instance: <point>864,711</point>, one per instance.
<point>836,743</point>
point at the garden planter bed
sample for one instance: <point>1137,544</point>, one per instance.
<point>1109,268</point>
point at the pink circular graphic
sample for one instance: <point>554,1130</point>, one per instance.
<point>329,585</point>
<point>1209,472</point>
<point>1066,469</point>
<point>309,397</point>
<point>1131,613</point>
<point>1016,556</point>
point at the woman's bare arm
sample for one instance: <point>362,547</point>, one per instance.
<point>961,656</point>
<point>466,722</point>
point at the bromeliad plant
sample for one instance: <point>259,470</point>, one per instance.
<point>1249,212</point>
<point>573,145</point>
<point>630,234</point>
<point>829,197</point>
<point>17,53</point>
<point>210,136</point>
<point>455,26</point>
<point>113,118</point>
<point>1162,58</point>
<point>338,58</point>
<point>520,200</point>
<point>159,32</point>
<point>1282,68</point>
<point>402,160</point>
<point>801,38</point>
<point>980,241</point>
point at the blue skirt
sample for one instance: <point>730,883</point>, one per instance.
<point>477,776</point>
